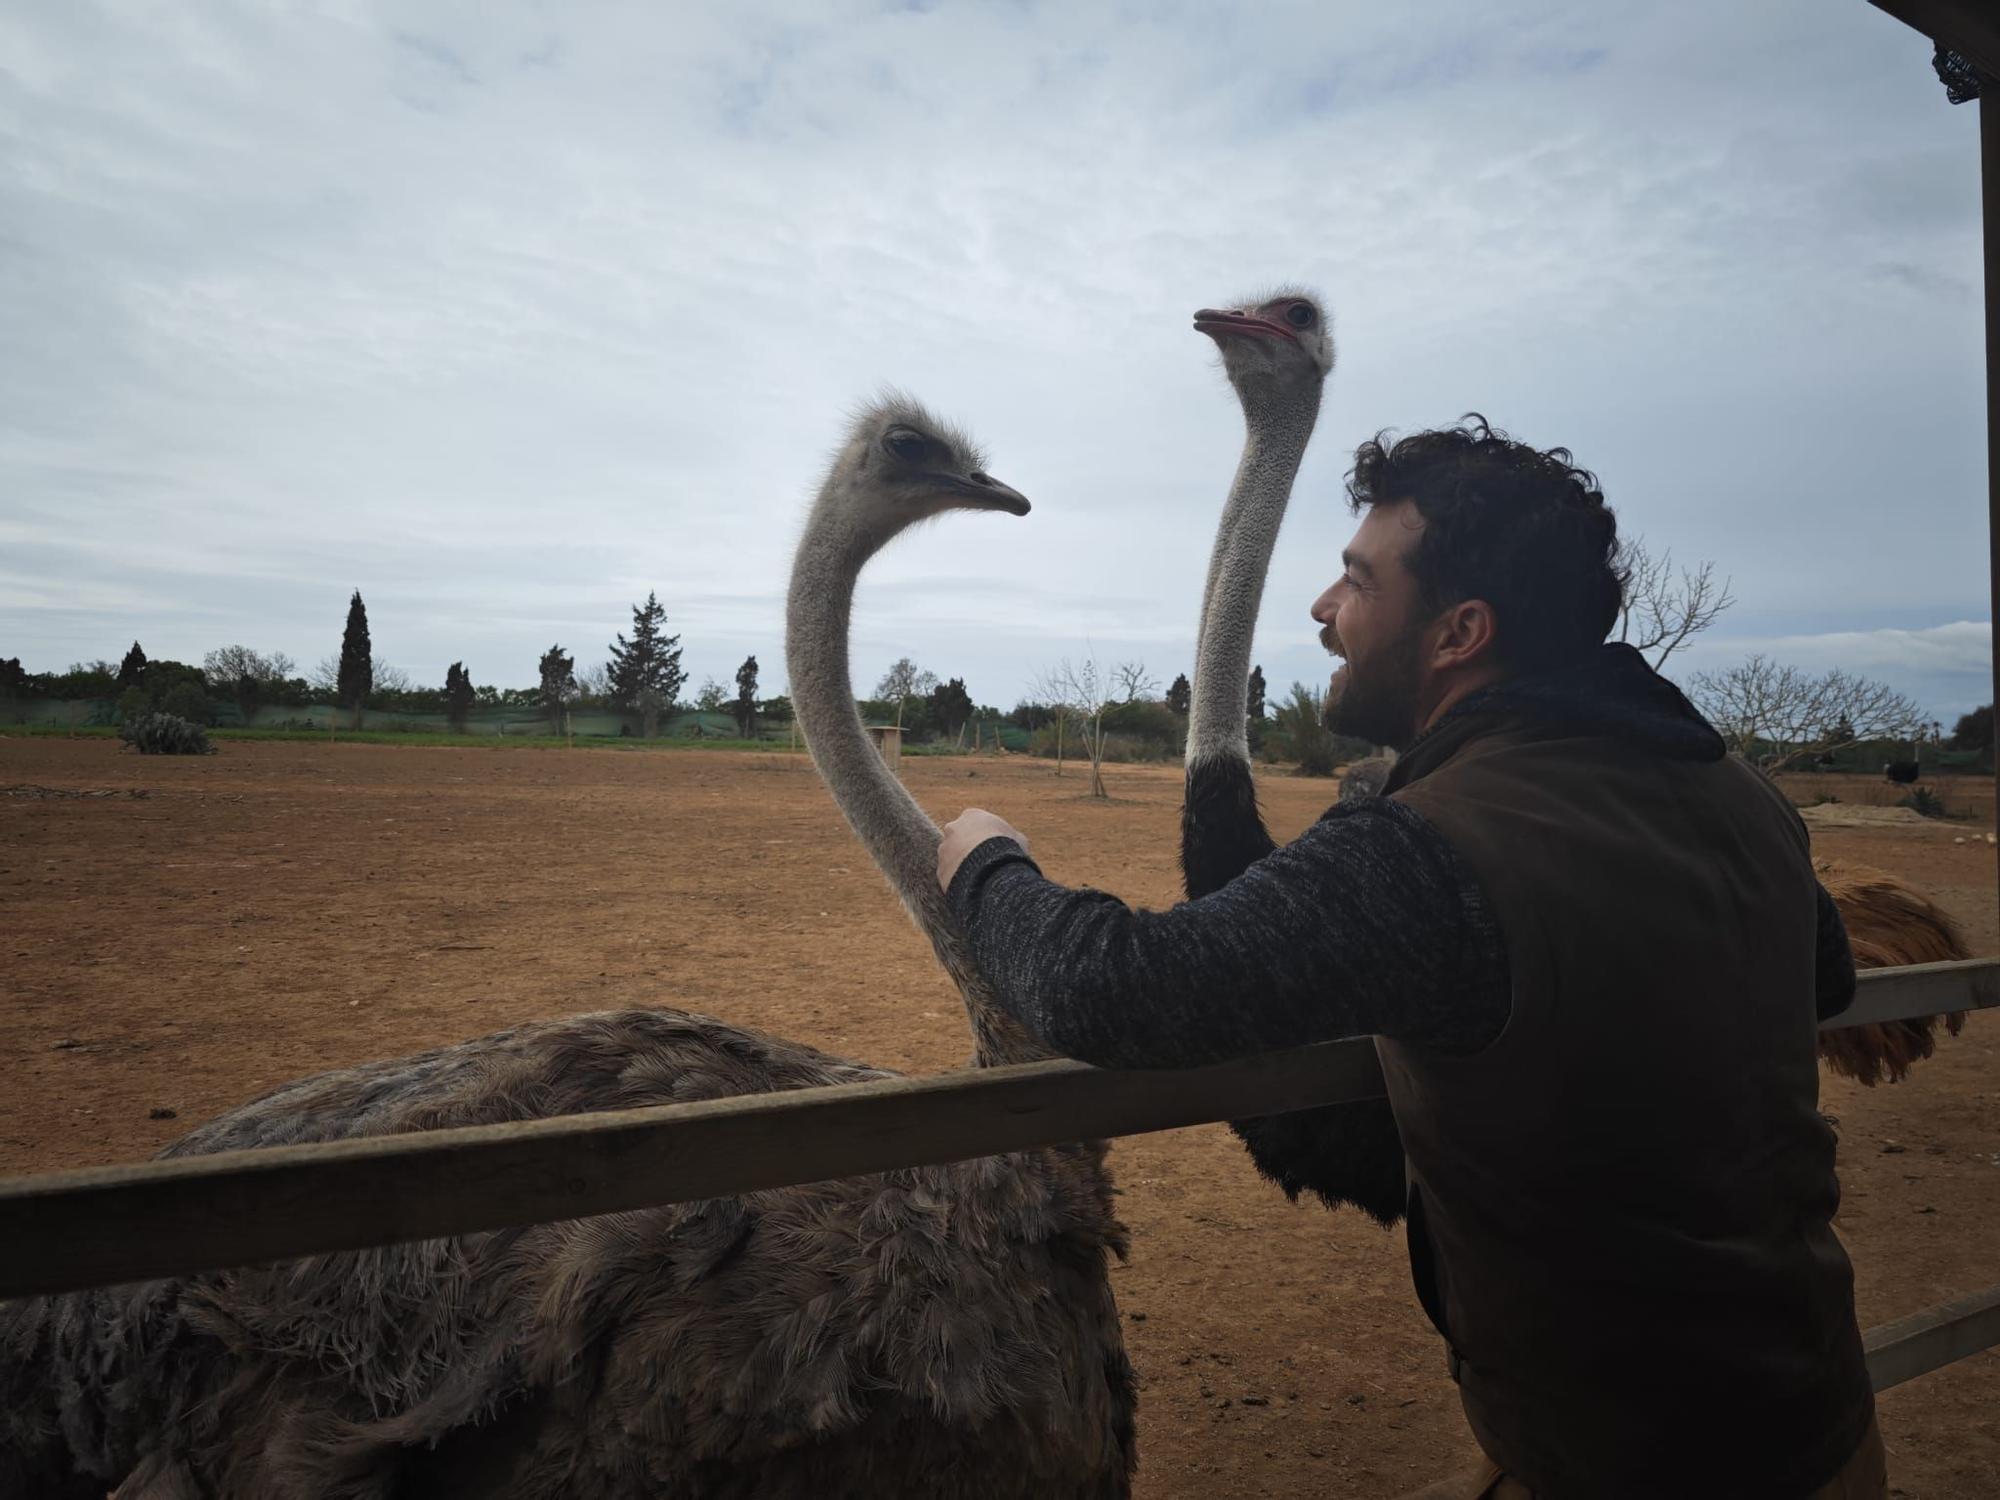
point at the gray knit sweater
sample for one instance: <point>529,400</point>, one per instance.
<point>1367,923</point>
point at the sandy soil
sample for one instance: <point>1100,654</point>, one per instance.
<point>221,924</point>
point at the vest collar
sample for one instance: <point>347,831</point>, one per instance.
<point>1613,692</point>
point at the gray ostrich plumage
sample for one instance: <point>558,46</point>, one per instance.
<point>944,1331</point>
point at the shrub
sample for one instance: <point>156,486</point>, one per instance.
<point>133,705</point>
<point>1154,731</point>
<point>166,734</point>
<point>1298,734</point>
<point>1925,801</point>
<point>186,700</point>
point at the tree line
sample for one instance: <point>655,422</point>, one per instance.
<point>1773,713</point>
<point>1086,711</point>
<point>642,677</point>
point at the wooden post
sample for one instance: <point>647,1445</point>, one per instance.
<point>1970,28</point>
<point>1989,180</point>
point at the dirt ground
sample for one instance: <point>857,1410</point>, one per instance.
<point>221,924</point>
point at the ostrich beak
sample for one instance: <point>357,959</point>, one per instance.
<point>980,491</point>
<point>1220,323</point>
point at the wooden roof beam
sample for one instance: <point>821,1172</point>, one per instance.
<point>1970,28</point>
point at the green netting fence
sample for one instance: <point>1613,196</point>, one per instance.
<point>100,713</point>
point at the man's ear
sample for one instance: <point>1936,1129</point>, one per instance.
<point>1468,636</point>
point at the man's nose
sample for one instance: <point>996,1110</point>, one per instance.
<point>1325,605</point>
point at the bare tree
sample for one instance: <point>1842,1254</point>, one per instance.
<point>903,681</point>
<point>1786,714</point>
<point>1665,607</point>
<point>1132,681</point>
<point>1079,692</point>
<point>246,675</point>
<point>392,679</point>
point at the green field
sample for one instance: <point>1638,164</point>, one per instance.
<point>427,737</point>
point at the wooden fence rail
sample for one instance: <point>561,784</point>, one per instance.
<point>103,1225</point>
<point>1925,1341</point>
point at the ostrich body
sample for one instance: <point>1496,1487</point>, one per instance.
<point>1889,923</point>
<point>1277,352</point>
<point>939,1330</point>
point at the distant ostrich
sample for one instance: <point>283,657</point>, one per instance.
<point>943,1331</point>
<point>1902,772</point>
<point>1276,351</point>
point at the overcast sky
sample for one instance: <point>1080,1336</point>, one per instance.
<point>507,314</point>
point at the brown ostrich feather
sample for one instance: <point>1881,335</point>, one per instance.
<point>1890,923</point>
<point>937,1330</point>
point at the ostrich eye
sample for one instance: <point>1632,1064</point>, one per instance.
<point>1299,315</point>
<point>906,444</point>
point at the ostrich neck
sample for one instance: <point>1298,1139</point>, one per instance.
<point>899,837</point>
<point>1276,430</point>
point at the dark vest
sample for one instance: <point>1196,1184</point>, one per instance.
<point>1620,1213</point>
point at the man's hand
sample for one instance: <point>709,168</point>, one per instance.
<point>967,832</point>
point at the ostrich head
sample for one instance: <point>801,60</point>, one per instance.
<point>1278,340</point>
<point>901,465</point>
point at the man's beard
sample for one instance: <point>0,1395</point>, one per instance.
<point>1376,702</point>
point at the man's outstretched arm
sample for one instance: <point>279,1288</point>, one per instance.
<point>1367,923</point>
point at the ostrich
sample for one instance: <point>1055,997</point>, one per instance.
<point>1889,922</point>
<point>939,1331</point>
<point>1277,351</point>
<point>1277,355</point>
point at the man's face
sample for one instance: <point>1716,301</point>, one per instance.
<point>1372,617</point>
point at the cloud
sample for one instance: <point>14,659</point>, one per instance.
<point>1948,668</point>
<point>1964,646</point>
<point>508,316</point>
<point>1926,281</point>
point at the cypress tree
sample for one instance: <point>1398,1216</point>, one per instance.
<point>746,697</point>
<point>457,694</point>
<point>132,670</point>
<point>356,677</point>
<point>1180,695</point>
<point>558,685</point>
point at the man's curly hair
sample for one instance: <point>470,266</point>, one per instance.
<point>1520,527</point>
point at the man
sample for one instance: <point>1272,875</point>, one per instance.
<point>1593,952</point>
